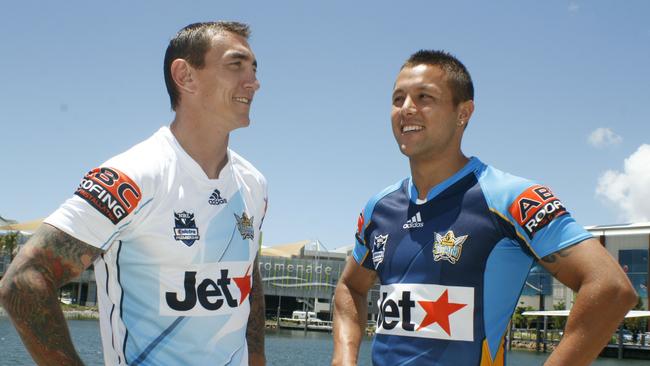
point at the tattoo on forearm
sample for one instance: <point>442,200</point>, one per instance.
<point>256,319</point>
<point>30,287</point>
<point>553,257</point>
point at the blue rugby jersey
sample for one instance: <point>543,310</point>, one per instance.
<point>452,268</point>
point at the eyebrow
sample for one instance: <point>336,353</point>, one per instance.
<point>237,55</point>
<point>425,87</point>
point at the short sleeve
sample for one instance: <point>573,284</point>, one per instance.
<point>361,252</point>
<point>537,219</point>
<point>101,205</point>
<point>544,221</point>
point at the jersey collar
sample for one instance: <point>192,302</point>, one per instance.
<point>471,165</point>
<point>192,167</point>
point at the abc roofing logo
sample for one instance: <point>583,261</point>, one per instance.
<point>427,311</point>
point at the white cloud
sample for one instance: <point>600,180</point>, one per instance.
<point>629,190</point>
<point>602,137</point>
<point>573,7</point>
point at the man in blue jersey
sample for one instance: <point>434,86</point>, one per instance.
<point>452,244</point>
<point>172,227</point>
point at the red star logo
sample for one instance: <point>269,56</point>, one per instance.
<point>438,312</point>
<point>244,284</point>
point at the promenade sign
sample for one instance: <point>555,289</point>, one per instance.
<point>300,277</point>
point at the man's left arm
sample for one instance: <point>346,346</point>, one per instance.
<point>604,296</point>
<point>256,320</point>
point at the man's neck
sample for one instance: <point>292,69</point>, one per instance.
<point>428,173</point>
<point>205,142</point>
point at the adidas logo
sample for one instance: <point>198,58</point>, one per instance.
<point>415,221</point>
<point>215,198</point>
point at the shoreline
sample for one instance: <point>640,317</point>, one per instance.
<point>87,314</point>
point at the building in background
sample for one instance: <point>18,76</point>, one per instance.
<point>303,275</point>
<point>81,290</point>
<point>300,276</point>
<point>629,244</point>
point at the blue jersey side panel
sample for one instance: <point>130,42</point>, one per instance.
<point>505,274</point>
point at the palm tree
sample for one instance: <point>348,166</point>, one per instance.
<point>9,243</point>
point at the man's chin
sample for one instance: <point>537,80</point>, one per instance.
<point>407,150</point>
<point>244,122</point>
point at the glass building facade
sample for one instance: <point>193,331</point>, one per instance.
<point>635,263</point>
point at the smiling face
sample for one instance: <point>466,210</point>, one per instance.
<point>227,82</point>
<point>426,123</point>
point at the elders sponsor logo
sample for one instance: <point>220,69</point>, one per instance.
<point>427,311</point>
<point>185,229</point>
<point>414,222</point>
<point>535,208</point>
<point>378,249</point>
<point>205,290</point>
<point>110,192</point>
<point>215,198</point>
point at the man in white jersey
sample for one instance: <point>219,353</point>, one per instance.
<point>172,227</point>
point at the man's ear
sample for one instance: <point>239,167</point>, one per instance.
<point>182,75</point>
<point>465,110</point>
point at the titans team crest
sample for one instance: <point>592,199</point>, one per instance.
<point>448,247</point>
<point>245,226</point>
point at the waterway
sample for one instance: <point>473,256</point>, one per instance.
<point>283,347</point>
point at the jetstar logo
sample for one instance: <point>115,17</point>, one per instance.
<point>204,290</point>
<point>427,311</point>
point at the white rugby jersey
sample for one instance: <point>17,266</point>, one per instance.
<point>174,280</point>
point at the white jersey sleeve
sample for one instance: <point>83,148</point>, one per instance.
<point>109,197</point>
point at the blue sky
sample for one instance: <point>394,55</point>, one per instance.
<point>562,94</point>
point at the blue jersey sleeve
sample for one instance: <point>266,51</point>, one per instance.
<point>539,219</point>
<point>362,252</point>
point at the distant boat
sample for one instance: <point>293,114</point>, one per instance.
<point>66,299</point>
<point>297,321</point>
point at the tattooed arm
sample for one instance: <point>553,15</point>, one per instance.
<point>29,289</point>
<point>604,295</point>
<point>256,319</point>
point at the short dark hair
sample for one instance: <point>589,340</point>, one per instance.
<point>458,78</point>
<point>191,44</point>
